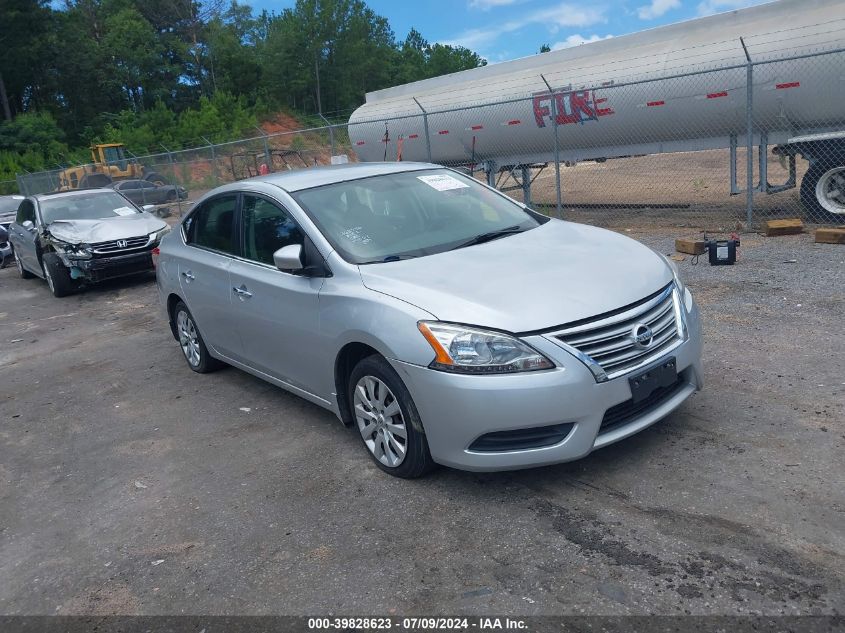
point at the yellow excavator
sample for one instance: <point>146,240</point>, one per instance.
<point>108,163</point>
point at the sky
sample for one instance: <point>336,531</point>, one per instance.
<point>500,30</point>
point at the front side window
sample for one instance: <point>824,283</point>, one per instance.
<point>25,212</point>
<point>211,225</point>
<point>409,214</point>
<point>267,228</point>
<point>95,205</point>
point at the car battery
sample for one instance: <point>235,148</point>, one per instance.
<point>722,252</point>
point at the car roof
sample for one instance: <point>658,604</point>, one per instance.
<point>299,179</point>
<point>67,194</point>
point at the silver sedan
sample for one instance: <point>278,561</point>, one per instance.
<point>443,321</point>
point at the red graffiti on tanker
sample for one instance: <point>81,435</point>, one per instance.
<point>576,106</point>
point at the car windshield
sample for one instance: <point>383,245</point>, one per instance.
<point>95,205</point>
<point>410,214</point>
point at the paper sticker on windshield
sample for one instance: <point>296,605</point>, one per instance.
<point>443,182</point>
<point>124,211</point>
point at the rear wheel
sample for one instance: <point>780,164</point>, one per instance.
<point>823,192</point>
<point>23,272</point>
<point>387,419</point>
<point>190,340</point>
<point>57,276</point>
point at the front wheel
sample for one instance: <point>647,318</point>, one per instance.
<point>57,275</point>
<point>387,419</point>
<point>823,192</point>
<point>190,340</point>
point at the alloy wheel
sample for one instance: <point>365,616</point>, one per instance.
<point>188,338</point>
<point>380,421</point>
<point>49,279</point>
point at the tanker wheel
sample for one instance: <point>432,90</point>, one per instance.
<point>155,178</point>
<point>823,191</point>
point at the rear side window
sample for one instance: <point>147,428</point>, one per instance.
<point>211,225</point>
<point>267,228</point>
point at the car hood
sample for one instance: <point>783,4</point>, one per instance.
<point>555,274</point>
<point>105,230</point>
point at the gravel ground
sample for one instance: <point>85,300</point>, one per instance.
<point>130,485</point>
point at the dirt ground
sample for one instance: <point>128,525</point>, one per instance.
<point>131,485</point>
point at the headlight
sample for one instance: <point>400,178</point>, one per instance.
<point>468,350</point>
<point>155,237</point>
<point>675,273</point>
<point>72,251</point>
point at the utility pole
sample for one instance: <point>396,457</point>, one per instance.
<point>317,72</point>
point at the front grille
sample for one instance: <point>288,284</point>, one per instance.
<point>113,246</point>
<point>521,439</point>
<point>628,411</point>
<point>609,340</point>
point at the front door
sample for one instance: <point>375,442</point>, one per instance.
<point>275,313</point>
<point>25,240</point>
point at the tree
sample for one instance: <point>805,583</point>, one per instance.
<point>25,42</point>
<point>545,48</point>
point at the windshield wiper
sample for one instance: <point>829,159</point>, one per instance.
<point>389,258</point>
<point>492,235</point>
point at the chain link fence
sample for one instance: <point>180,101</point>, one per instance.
<point>717,149</point>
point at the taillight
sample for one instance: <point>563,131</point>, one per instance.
<point>155,253</point>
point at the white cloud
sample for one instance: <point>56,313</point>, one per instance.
<point>555,18</point>
<point>657,8</point>
<point>709,7</point>
<point>577,40</point>
<point>484,5</point>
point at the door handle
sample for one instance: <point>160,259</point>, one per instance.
<point>188,275</point>
<point>242,292</point>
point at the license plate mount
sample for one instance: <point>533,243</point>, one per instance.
<point>644,384</point>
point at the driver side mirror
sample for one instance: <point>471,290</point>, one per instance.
<point>149,208</point>
<point>289,258</point>
<point>28,225</point>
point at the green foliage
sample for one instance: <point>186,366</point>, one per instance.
<point>170,72</point>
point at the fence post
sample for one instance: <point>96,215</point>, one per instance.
<point>425,127</point>
<point>557,148</point>
<point>331,130</point>
<point>268,159</point>
<point>749,122</point>
<point>173,178</point>
<point>213,160</point>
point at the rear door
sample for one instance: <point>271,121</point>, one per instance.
<point>275,313</point>
<point>203,269</point>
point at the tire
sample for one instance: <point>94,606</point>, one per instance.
<point>171,196</point>
<point>156,178</point>
<point>57,275</point>
<point>23,272</point>
<point>190,340</point>
<point>375,389</point>
<point>95,181</point>
<point>820,179</point>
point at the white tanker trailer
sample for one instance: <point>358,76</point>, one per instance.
<point>676,88</point>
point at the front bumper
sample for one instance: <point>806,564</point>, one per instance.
<point>102,268</point>
<point>457,409</point>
